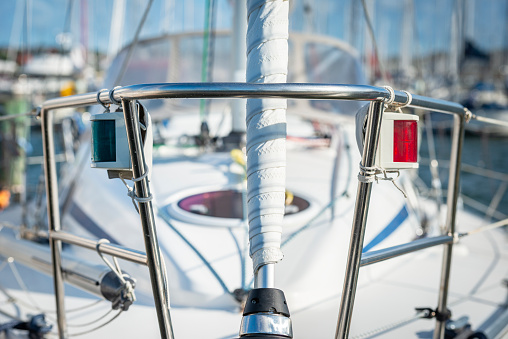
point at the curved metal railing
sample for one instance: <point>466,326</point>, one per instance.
<point>125,97</point>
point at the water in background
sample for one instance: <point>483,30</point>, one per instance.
<point>480,150</point>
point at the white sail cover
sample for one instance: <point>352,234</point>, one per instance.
<point>267,62</point>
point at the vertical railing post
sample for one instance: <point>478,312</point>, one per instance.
<point>153,255</point>
<point>452,198</point>
<point>48,147</point>
<point>359,221</point>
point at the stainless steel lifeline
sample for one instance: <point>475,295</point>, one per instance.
<point>244,90</point>
<point>118,251</point>
<point>373,257</point>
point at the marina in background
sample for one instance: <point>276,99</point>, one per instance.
<point>442,52</point>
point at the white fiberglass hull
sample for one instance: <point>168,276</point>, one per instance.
<point>207,261</point>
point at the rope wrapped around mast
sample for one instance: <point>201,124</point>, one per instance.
<point>267,62</point>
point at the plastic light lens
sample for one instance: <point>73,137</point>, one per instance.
<point>103,141</point>
<point>405,141</point>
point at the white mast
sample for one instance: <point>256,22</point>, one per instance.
<point>456,46</point>
<point>239,62</point>
<point>116,30</point>
<point>267,62</point>
<point>168,15</point>
<point>406,48</point>
<point>17,25</point>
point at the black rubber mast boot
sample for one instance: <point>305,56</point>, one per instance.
<point>266,315</point>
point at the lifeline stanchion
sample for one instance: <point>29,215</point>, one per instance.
<point>452,200</point>
<point>375,115</point>
<point>153,255</point>
<point>48,147</point>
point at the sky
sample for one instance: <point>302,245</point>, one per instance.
<point>422,25</point>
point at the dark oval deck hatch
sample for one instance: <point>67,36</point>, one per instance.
<point>228,204</point>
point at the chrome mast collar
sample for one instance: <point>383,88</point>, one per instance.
<point>266,323</point>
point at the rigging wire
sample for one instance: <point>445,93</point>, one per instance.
<point>374,42</point>
<point>93,321</point>
<point>241,255</point>
<point>14,301</point>
<point>335,173</point>
<point>67,22</point>
<point>30,114</point>
<point>63,42</point>
<point>21,284</point>
<point>26,32</point>
<point>7,224</point>
<point>375,332</point>
<point>490,120</point>
<point>492,226</point>
<point>34,305</point>
<point>473,203</point>
<point>84,307</point>
<point>211,50</point>
<point>163,214</point>
<point>496,200</point>
<point>127,285</point>
<point>434,164</point>
<point>331,203</point>
<point>208,54</point>
<point>125,62</point>
<point>315,218</point>
<point>98,327</point>
<point>11,316</point>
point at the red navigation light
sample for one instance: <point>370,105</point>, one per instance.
<point>398,141</point>
<point>405,141</point>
